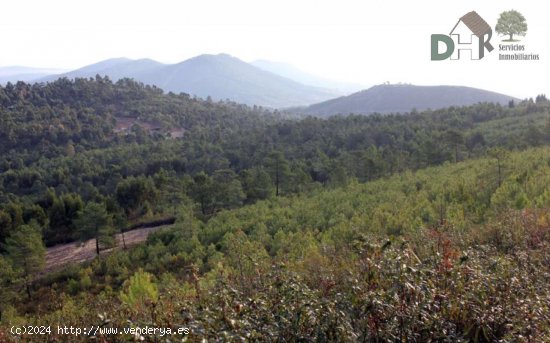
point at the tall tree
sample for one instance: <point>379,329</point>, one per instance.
<point>202,192</point>
<point>455,139</point>
<point>120,223</point>
<point>5,226</point>
<point>279,169</point>
<point>228,189</point>
<point>95,223</point>
<point>499,154</point>
<point>11,217</point>
<point>27,252</point>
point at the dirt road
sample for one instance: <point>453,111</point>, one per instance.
<point>77,252</point>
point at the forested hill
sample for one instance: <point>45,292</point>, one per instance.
<point>140,153</point>
<point>87,112</point>
<point>403,98</point>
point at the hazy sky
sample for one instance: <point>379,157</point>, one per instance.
<point>362,41</point>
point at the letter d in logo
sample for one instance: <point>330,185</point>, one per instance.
<point>436,55</point>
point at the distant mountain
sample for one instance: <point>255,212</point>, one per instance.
<point>18,73</point>
<point>405,98</point>
<point>293,73</point>
<point>218,76</point>
<point>225,77</point>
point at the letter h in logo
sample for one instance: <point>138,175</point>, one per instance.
<point>472,33</point>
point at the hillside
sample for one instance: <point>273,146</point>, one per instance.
<point>422,223</point>
<point>422,254</point>
<point>72,143</point>
<point>405,98</point>
<point>220,77</point>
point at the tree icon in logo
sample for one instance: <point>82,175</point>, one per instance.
<point>511,23</point>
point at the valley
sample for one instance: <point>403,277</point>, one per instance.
<point>392,225</point>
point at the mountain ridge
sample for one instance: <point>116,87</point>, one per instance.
<point>402,98</point>
<point>266,83</point>
<point>220,77</point>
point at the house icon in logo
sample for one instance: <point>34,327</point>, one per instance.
<point>471,34</point>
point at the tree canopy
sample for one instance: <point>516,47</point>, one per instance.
<point>511,23</point>
<point>425,226</point>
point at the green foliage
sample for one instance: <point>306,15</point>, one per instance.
<point>374,236</point>
<point>94,222</point>
<point>228,192</point>
<point>257,184</point>
<point>133,193</point>
<point>26,251</point>
<point>511,23</point>
<point>202,191</point>
<point>279,170</point>
<point>11,217</point>
<point>8,278</point>
<point>221,190</point>
<point>62,213</point>
<point>148,173</point>
<point>139,291</point>
<point>246,257</point>
<point>437,254</point>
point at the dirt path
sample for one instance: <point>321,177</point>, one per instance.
<point>77,252</point>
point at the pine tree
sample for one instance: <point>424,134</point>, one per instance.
<point>95,223</point>
<point>8,278</point>
<point>27,252</point>
<point>279,170</point>
<point>139,291</point>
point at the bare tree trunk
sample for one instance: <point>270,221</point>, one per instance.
<point>123,240</point>
<point>456,153</point>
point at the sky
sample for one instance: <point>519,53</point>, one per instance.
<point>364,42</point>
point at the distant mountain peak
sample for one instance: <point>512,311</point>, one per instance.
<point>220,56</point>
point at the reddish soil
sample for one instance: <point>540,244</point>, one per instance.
<point>124,124</point>
<point>77,252</point>
<point>177,133</point>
